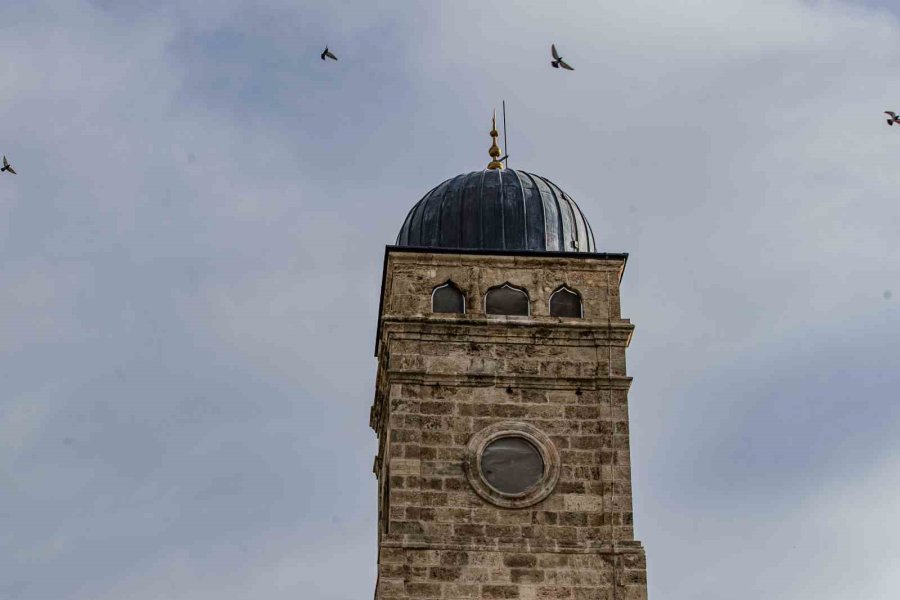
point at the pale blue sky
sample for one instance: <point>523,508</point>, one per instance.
<point>190,260</point>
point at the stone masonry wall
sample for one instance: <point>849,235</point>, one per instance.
<point>432,574</point>
<point>444,377</point>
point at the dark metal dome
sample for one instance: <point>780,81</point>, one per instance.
<point>497,209</point>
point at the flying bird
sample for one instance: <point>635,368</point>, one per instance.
<point>328,54</point>
<point>7,167</point>
<point>894,118</point>
<point>557,61</point>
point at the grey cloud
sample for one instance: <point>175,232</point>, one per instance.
<point>192,252</point>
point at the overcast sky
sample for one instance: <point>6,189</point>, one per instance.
<point>190,261</point>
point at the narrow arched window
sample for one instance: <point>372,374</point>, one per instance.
<point>566,303</point>
<point>448,298</point>
<point>507,300</point>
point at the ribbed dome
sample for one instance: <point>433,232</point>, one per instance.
<point>497,209</point>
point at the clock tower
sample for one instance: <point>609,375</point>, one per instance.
<point>501,401</point>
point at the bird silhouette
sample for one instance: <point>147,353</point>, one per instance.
<point>557,61</point>
<point>328,54</point>
<point>7,167</point>
<point>894,118</point>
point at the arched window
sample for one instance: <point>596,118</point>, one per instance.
<point>448,298</point>
<point>507,300</point>
<point>566,303</point>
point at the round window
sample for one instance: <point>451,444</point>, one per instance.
<point>512,465</point>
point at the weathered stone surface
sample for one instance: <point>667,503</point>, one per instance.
<point>442,378</point>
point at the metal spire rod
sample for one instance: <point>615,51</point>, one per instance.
<point>505,144</point>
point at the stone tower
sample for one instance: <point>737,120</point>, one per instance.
<point>501,402</point>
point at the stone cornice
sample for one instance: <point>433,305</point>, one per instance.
<point>516,381</point>
<point>413,254</point>
<point>530,545</point>
<point>510,330</point>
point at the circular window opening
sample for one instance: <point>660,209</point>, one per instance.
<point>512,465</point>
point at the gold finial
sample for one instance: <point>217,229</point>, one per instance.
<point>494,150</point>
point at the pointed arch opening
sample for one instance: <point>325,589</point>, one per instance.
<point>566,302</point>
<point>507,300</point>
<point>448,298</point>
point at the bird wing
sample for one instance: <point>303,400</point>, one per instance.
<point>889,112</point>
<point>330,55</point>
<point>11,170</point>
<point>554,52</point>
<point>565,65</point>
<point>5,162</point>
